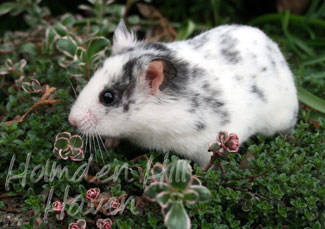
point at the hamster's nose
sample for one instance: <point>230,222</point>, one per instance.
<point>73,121</point>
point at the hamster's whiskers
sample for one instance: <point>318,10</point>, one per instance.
<point>100,141</point>
<point>74,91</point>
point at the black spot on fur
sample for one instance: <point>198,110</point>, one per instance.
<point>123,88</point>
<point>205,86</point>
<point>123,51</point>
<point>264,69</point>
<point>228,51</point>
<point>231,56</point>
<point>213,102</point>
<point>238,78</point>
<point>199,126</point>
<point>197,72</point>
<point>176,82</point>
<point>258,92</point>
<point>195,101</point>
<point>156,46</point>
<point>128,70</point>
<point>199,42</point>
<point>225,117</point>
<point>126,107</point>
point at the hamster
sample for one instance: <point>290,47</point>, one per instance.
<point>177,96</point>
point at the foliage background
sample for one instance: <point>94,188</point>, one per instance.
<point>272,182</point>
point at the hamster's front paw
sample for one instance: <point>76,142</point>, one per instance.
<point>112,142</point>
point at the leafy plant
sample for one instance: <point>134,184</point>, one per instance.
<point>34,13</point>
<point>68,146</point>
<point>171,187</point>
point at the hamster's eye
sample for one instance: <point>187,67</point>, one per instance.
<point>107,97</point>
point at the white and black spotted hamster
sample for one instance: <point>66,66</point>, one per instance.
<point>177,96</point>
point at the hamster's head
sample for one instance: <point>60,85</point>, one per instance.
<point>118,92</point>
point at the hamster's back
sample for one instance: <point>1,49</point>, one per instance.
<point>250,74</point>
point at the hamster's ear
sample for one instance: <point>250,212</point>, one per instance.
<point>158,74</point>
<point>122,38</point>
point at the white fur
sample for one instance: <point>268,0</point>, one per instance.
<point>122,38</point>
<point>164,125</point>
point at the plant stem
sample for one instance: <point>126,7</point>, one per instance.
<point>213,158</point>
<point>222,169</point>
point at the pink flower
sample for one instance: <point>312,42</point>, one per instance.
<point>73,226</point>
<point>92,193</point>
<point>232,144</point>
<point>80,224</point>
<point>222,138</point>
<point>57,206</point>
<point>229,142</point>
<point>104,223</point>
<point>113,203</point>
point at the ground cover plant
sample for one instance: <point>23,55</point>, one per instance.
<point>53,178</point>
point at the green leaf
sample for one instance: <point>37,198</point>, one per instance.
<point>309,215</point>
<point>61,29</point>
<point>77,154</point>
<point>282,211</point>
<point>264,205</point>
<point>315,60</point>
<point>81,223</point>
<point>63,135</point>
<point>82,54</point>
<point>310,99</point>
<point>29,48</point>
<point>187,31</point>
<point>157,172</point>
<point>196,181</point>
<point>67,46</point>
<point>163,198</point>
<point>298,203</point>
<point>96,45</point>
<point>204,194</point>
<point>154,189</point>
<point>62,143</point>
<point>67,20</point>
<point>294,19</point>
<point>50,38</point>
<point>302,45</point>
<point>76,141</point>
<point>311,201</point>
<point>246,159</point>
<point>179,174</point>
<point>214,146</point>
<point>317,225</point>
<point>177,218</point>
<point>7,7</point>
<point>191,196</point>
